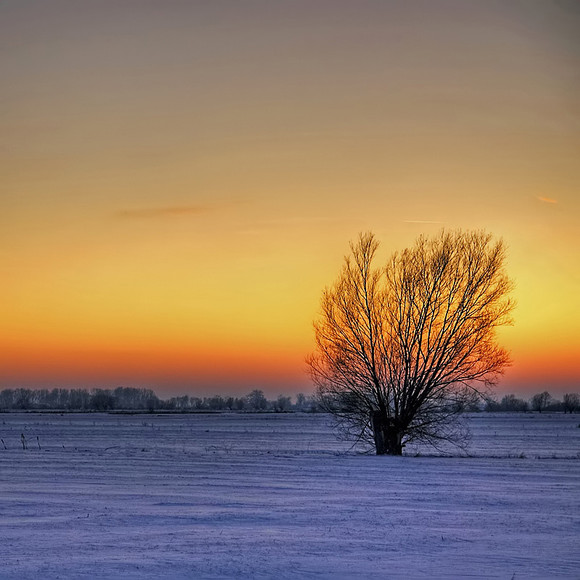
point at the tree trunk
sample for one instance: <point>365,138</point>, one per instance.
<point>388,437</point>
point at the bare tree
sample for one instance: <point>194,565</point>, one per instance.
<point>402,350</point>
<point>513,404</point>
<point>540,401</point>
<point>571,402</point>
<point>257,400</point>
<point>282,404</point>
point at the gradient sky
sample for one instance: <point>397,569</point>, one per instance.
<point>180,180</point>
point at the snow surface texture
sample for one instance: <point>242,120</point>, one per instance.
<point>277,496</point>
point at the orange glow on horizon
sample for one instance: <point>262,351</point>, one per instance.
<point>203,373</point>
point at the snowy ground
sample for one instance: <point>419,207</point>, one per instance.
<point>277,496</point>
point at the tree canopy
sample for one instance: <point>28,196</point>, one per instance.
<point>403,348</point>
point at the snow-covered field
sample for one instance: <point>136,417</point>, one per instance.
<point>277,496</point>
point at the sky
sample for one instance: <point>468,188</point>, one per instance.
<point>180,180</point>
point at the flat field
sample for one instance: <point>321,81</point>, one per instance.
<point>278,496</point>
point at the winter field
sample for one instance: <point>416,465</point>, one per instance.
<point>278,496</point>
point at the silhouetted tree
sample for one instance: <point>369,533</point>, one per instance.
<point>23,399</point>
<point>540,401</point>
<point>512,404</point>
<point>102,400</point>
<point>240,403</point>
<point>282,404</point>
<point>257,401</point>
<point>571,403</point>
<point>6,399</point>
<point>216,403</point>
<point>300,402</point>
<point>491,405</point>
<point>402,349</point>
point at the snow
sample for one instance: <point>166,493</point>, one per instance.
<point>278,496</point>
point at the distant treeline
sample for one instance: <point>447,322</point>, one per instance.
<point>541,402</point>
<point>133,399</point>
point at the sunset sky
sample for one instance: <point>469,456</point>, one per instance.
<point>180,179</point>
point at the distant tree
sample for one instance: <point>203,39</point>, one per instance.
<point>300,402</point>
<point>257,401</point>
<point>78,399</point>
<point>169,404</point>
<point>555,406</point>
<point>282,404</point>
<point>181,403</point>
<point>58,399</point>
<point>102,400</point>
<point>196,403</point>
<point>513,404</point>
<point>309,404</point>
<point>6,399</point>
<point>540,401</point>
<point>40,399</point>
<point>491,405</point>
<point>152,403</point>
<point>133,398</point>
<point>240,403</point>
<point>571,403</point>
<point>216,403</point>
<point>23,399</point>
<point>402,349</point>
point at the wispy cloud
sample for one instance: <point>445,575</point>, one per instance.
<point>162,212</point>
<point>267,226</point>
<point>546,199</point>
